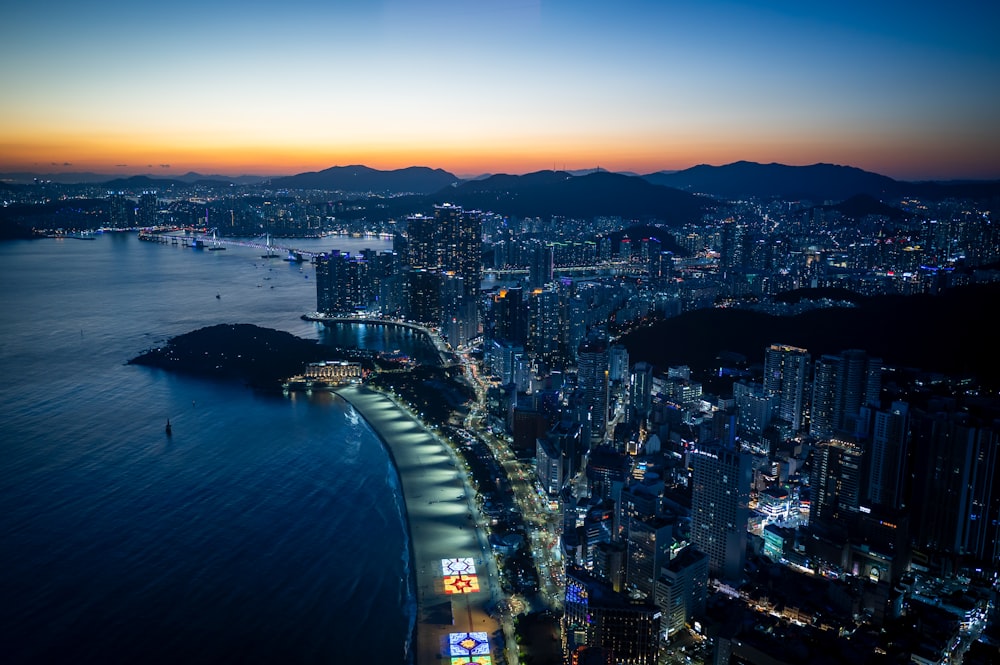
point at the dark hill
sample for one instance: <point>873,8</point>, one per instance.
<point>818,182</point>
<point>258,356</point>
<point>414,179</point>
<point>144,182</point>
<point>862,205</point>
<point>548,193</point>
<point>950,333</point>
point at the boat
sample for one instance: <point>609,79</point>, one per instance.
<point>169,429</point>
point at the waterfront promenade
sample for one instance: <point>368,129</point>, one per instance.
<point>442,525</point>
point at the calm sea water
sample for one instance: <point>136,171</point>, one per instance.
<point>264,530</point>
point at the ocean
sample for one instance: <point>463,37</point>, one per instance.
<point>265,529</point>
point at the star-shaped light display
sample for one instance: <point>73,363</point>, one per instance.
<point>461,584</point>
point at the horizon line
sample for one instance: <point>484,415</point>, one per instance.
<point>149,170</point>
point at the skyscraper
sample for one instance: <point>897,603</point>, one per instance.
<point>786,369</point>
<point>147,209</point>
<point>121,211</point>
<point>956,486</point>
<point>887,446</point>
<point>682,589</point>
<point>640,391</point>
<point>598,617</point>
<point>720,508</point>
<point>540,265</point>
<point>447,244</point>
<point>592,380</point>
<point>842,384</point>
<point>836,481</point>
<point>342,284</point>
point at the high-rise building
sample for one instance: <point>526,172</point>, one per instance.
<point>598,617</point>
<point>540,264</point>
<point>508,319</point>
<point>447,244</point>
<point>640,391</point>
<point>842,384</point>
<point>459,246</point>
<point>147,209</point>
<point>887,446</point>
<point>545,325</point>
<point>755,408</point>
<point>605,468</point>
<point>720,508</point>
<point>956,486</point>
<point>424,296</point>
<point>786,369</point>
<point>647,541</point>
<point>342,284</point>
<point>682,590</point>
<point>121,211</point>
<point>592,381</point>
<point>836,481</point>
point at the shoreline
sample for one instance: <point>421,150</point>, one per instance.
<point>441,524</point>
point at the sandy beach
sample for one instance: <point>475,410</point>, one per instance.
<point>442,525</point>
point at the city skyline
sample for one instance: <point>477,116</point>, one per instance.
<point>907,91</point>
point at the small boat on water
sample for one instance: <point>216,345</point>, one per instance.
<point>169,429</point>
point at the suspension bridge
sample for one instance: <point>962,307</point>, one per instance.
<point>209,240</point>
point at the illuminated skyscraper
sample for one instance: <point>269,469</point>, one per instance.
<point>887,447</point>
<point>720,508</point>
<point>540,266</point>
<point>447,245</point>
<point>147,209</point>
<point>640,391</point>
<point>598,617</point>
<point>842,384</point>
<point>786,369</point>
<point>592,380</point>
<point>682,589</point>
<point>545,324</point>
<point>956,486</point>
<point>121,211</point>
<point>836,481</point>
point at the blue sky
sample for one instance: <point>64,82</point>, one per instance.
<point>911,90</point>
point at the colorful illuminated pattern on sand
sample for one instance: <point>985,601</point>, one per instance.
<point>472,660</point>
<point>461,584</point>
<point>468,644</point>
<point>463,566</point>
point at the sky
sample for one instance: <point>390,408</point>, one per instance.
<point>907,89</point>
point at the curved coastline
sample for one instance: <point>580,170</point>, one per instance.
<point>440,524</point>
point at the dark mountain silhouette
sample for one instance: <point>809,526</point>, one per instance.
<point>548,193</point>
<point>414,179</point>
<point>144,181</point>
<point>862,205</point>
<point>949,333</point>
<point>818,182</point>
<point>70,178</point>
